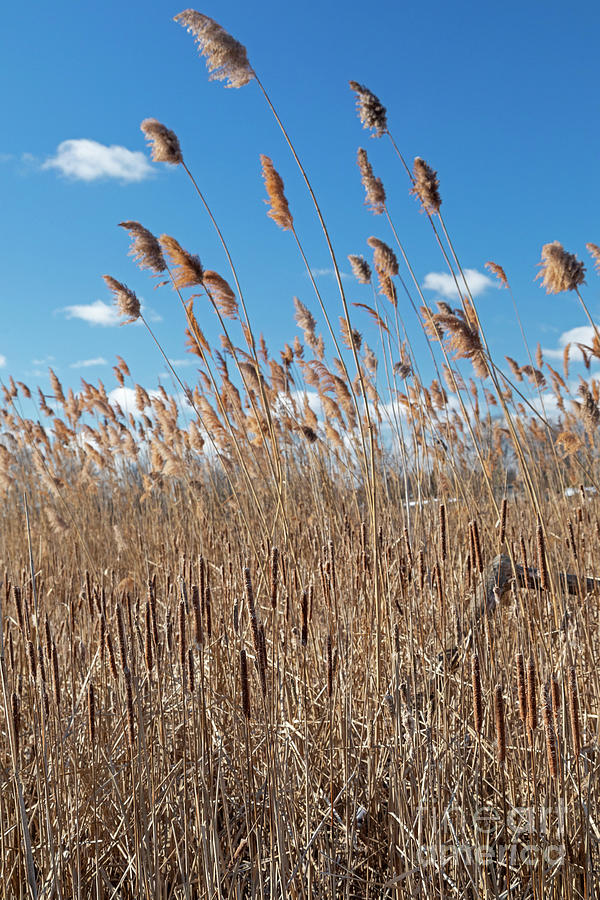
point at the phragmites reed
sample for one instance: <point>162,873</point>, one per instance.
<point>145,247</point>
<point>371,111</point>
<point>374,189</point>
<point>574,712</point>
<point>245,684</point>
<point>560,270</point>
<point>594,251</point>
<point>588,409</point>
<point>164,143</point>
<point>226,58</point>
<point>279,209</point>
<point>531,698</point>
<point>386,266</point>
<point>426,186</point>
<point>186,267</point>
<point>498,271</point>
<point>477,699</point>
<point>551,742</point>
<point>500,724</point>
<point>360,268</point>
<point>541,557</point>
<point>220,293</point>
<point>125,298</point>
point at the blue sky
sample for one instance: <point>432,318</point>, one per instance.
<point>500,99</point>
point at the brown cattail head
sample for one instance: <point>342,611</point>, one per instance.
<point>91,716</point>
<point>304,612</point>
<point>531,698</point>
<point>551,742</point>
<point>125,298</point>
<point>574,712</point>
<point>274,574</point>
<point>477,699</point>
<point>521,688</point>
<point>145,247</point>
<point>182,645</point>
<point>555,695</point>
<point>164,143</point>
<point>371,111</point>
<point>443,533</point>
<point>426,186</point>
<point>245,684</point>
<point>148,649</point>
<point>559,270</point>
<point>503,512</point>
<point>541,555</point>
<point>374,189</point>
<point>360,268</point>
<point>279,209</point>
<point>329,667</point>
<point>16,719</point>
<point>500,724</point>
<point>226,58</point>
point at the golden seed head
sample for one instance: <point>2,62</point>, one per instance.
<point>126,300</point>
<point>371,111</point>
<point>560,270</point>
<point>226,58</point>
<point>164,143</point>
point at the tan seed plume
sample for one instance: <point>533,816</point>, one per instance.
<point>426,186</point>
<point>145,247</point>
<point>560,270</point>
<point>226,58</point>
<point>126,300</point>
<point>187,268</point>
<point>279,209</point>
<point>164,143</point>
<point>371,111</point>
<point>374,189</point>
<point>498,271</point>
<point>360,268</point>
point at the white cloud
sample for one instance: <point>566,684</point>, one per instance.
<point>329,273</point>
<point>96,313</point>
<point>583,334</point>
<point>88,363</point>
<point>2,361</point>
<point>86,160</point>
<point>443,283</point>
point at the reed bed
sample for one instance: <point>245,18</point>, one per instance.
<point>313,627</point>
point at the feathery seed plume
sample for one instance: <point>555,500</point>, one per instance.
<point>221,293</point>
<point>371,111</point>
<point>226,58</point>
<point>426,186</point>
<point>279,211</point>
<point>374,189</point>
<point>126,300</point>
<point>360,268</point>
<point>560,270</point>
<point>187,268</point>
<point>164,143</point>
<point>594,251</point>
<point>145,247</point>
<point>498,271</point>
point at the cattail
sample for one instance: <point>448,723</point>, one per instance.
<point>236,615</point>
<point>121,637</point>
<point>524,561</point>
<point>164,143</point>
<point>531,698</point>
<point>279,209</point>
<point>32,659</point>
<point>574,712</point>
<point>408,547</point>
<point>148,651</point>
<point>503,512</point>
<point>443,533</point>
<point>477,700</point>
<point>55,676</point>
<point>197,615</point>
<point>226,58</point>
<point>521,688</point>
<point>541,558</point>
<point>555,694</point>
<point>371,111</point>
<point>182,646</point>
<point>145,248</point>
<point>126,300</point>
<point>426,186</point>
<point>262,658</point>
<point>421,568</point>
<point>559,270</point>
<point>329,667</point>
<point>572,538</point>
<point>245,684</point>
<point>17,594</point>
<point>130,714</point>
<point>91,716</point>
<point>476,545</point>
<point>111,656</point>
<point>551,743</point>
<point>274,574</point>
<point>374,189</point>
<point>152,599</point>
<point>191,673</point>
<point>16,720</point>
<point>207,612</point>
<point>500,724</point>
<point>304,611</point>
<point>360,268</point>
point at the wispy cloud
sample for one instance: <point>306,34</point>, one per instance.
<point>88,363</point>
<point>583,334</point>
<point>443,283</point>
<point>329,273</point>
<point>85,160</point>
<point>105,314</point>
<point>2,361</point>
<point>96,313</point>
